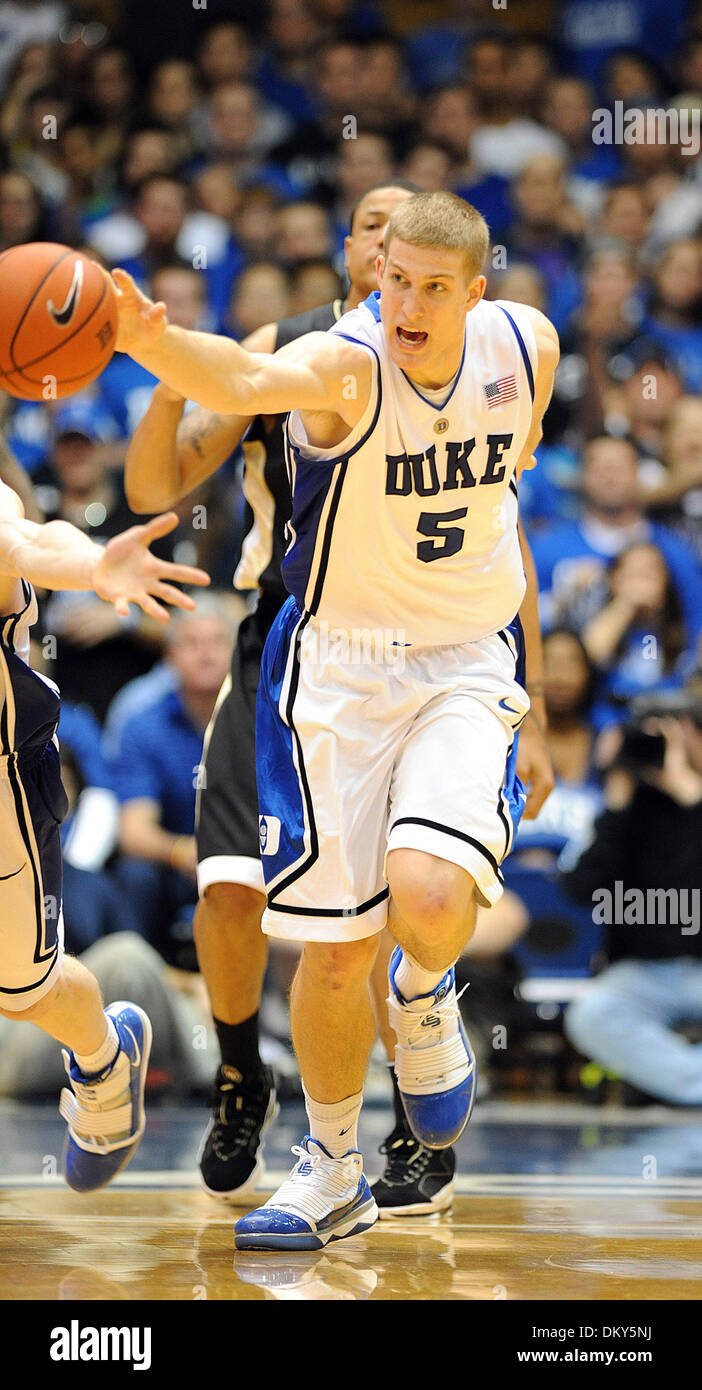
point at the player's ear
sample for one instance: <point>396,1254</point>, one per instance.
<point>380,266</point>
<point>476,290</point>
<point>347,246</point>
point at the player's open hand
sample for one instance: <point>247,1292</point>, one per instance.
<point>141,321</point>
<point>127,572</point>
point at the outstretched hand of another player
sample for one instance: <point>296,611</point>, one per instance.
<point>141,321</point>
<point>127,572</point>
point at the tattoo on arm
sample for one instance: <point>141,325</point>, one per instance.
<point>194,430</point>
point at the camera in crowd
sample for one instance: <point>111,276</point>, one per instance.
<point>643,749</point>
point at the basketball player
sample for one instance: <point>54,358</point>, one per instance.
<point>168,456</point>
<point>387,784</point>
<point>108,1048</point>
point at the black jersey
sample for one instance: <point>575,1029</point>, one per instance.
<point>266,482</point>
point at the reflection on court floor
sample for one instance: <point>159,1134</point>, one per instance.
<point>557,1202</point>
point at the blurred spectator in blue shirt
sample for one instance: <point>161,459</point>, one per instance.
<point>95,650</point>
<point>567,816</point>
<point>282,71</point>
<point>605,324</point>
<point>125,386</point>
<point>450,115</point>
<point>568,106</point>
<point>547,232</point>
<point>156,771</point>
<point>172,231</point>
<point>624,216</point>
<point>592,30</point>
<point>533,897</point>
<point>676,499</point>
<point>674,313</point>
<point>570,555</point>
<point>637,636</point>
<point>644,386</point>
<point>93,905</point>
<point>307,156</point>
<point>505,140</point>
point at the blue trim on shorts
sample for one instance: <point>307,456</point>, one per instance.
<point>283,789</point>
<point>513,788</point>
<point>280,793</point>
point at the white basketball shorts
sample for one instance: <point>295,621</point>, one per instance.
<point>359,757</point>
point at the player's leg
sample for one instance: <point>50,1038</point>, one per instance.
<point>415,1181</point>
<point>331,1017</point>
<point>231,948</point>
<point>232,954</point>
<point>106,1062</point>
<point>109,1049</point>
<point>431,916</point>
<point>324,776</point>
<point>327,1196</point>
<point>455,803</point>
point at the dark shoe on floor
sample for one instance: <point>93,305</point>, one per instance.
<point>416,1181</point>
<point>230,1157</point>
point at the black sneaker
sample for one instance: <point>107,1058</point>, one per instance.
<point>230,1156</point>
<point>415,1181</point>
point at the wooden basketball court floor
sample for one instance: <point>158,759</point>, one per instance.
<point>554,1202</point>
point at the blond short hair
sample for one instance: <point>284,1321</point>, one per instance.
<point>442,220</point>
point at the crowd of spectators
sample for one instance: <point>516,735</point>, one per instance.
<point>217,154</point>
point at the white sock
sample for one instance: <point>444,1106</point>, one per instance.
<point>91,1063</point>
<point>412,979</point>
<point>335,1126</point>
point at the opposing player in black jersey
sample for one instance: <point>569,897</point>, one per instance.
<point>168,458</point>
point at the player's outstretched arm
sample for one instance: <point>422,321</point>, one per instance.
<point>56,555</point>
<point>310,374</point>
<point>169,454</point>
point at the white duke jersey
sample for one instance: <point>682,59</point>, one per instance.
<point>410,525</point>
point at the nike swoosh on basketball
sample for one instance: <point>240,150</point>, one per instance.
<point>64,315</point>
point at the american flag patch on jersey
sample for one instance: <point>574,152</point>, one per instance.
<point>504,389</point>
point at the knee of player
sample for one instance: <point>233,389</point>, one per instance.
<point>431,895</point>
<point>339,965</point>
<point>230,906</point>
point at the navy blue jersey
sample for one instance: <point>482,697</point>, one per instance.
<point>29,702</point>
<point>266,481</point>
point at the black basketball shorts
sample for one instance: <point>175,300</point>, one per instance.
<point>226,817</point>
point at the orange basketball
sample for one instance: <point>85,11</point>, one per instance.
<point>58,320</point>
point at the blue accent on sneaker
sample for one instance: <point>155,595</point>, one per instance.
<point>438,1119</point>
<point>274,1228</point>
<point>87,1169</point>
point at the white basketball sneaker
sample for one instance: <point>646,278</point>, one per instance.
<point>324,1199</point>
<point>434,1062</point>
